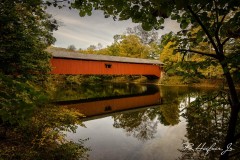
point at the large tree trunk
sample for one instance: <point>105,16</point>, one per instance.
<point>234,102</point>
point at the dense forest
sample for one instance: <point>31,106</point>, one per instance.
<point>30,126</point>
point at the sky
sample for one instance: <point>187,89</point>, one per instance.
<point>91,30</point>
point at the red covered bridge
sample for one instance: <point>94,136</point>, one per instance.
<point>66,62</point>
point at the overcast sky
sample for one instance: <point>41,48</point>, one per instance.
<point>91,30</point>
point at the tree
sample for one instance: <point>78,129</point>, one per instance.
<point>99,46</point>
<point>92,47</point>
<point>131,46</point>
<point>30,128</point>
<point>211,129</point>
<point>137,124</point>
<point>135,43</point>
<point>26,31</point>
<point>125,46</point>
<point>166,56</point>
<point>147,37</point>
<point>190,67</point>
<point>117,38</point>
<point>219,25</point>
<point>71,47</point>
<point>113,50</point>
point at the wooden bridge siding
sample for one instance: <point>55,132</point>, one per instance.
<point>114,105</point>
<point>72,66</point>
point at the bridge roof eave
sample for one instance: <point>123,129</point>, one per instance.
<point>95,57</point>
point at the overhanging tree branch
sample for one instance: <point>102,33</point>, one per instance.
<point>197,52</point>
<point>217,31</point>
<point>218,25</point>
<point>225,41</point>
<point>55,2</point>
<point>204,29</point>
<point>200,8</point>
<point>216,11</point>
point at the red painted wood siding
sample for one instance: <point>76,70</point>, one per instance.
<point>114,105</point>
<point>72,66</point>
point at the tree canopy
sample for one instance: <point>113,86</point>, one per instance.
<point>214,22</point>
<point>29,127</point>
<point>125,45</point>
<point>26,31</point>
<point>71,47</point>
<point>208,27</point>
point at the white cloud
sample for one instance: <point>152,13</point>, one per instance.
<point>84,31</point>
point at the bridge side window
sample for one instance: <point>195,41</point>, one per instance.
<point>107,65</point>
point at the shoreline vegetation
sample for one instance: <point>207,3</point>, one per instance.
<point>164,81</point>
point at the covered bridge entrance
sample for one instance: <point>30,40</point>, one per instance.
<point>66,62</point>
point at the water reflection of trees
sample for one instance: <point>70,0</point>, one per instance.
<point>93,90</point>
<point>207,117</point>
<point>206,112</point>
<point>143,124</point>
<point>169,113</point>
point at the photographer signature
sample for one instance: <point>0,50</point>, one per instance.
<point>207,149</point>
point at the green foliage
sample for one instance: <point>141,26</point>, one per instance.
<point>18,100</point>
<point>136,42</point>
<point>191,67</point>
<point>167,55</point>
<point>125,46</point>
<point>71,151</point>
<point>25,58</point>
<point>131,46</point>
<point>123,10</point>
<point>24,63</point>
<point>94,87</point>
<point>113,50</point>
<point>29,129</point>
<point>42,136</point>
<point>170,113</point>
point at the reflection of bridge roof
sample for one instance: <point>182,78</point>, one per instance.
<point>95,57</point>
<point>84,119</point>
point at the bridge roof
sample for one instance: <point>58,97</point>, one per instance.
<point>96,57</point>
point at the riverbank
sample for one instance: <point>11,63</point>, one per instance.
<point>206,83</point>
<point>172,81</point>
<point>165,81</point>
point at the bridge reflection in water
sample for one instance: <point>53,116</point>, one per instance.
<point>94,107</point>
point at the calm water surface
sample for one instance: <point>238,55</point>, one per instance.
<point>141,122</point>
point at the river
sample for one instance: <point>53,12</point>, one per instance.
<point>147,122</point>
